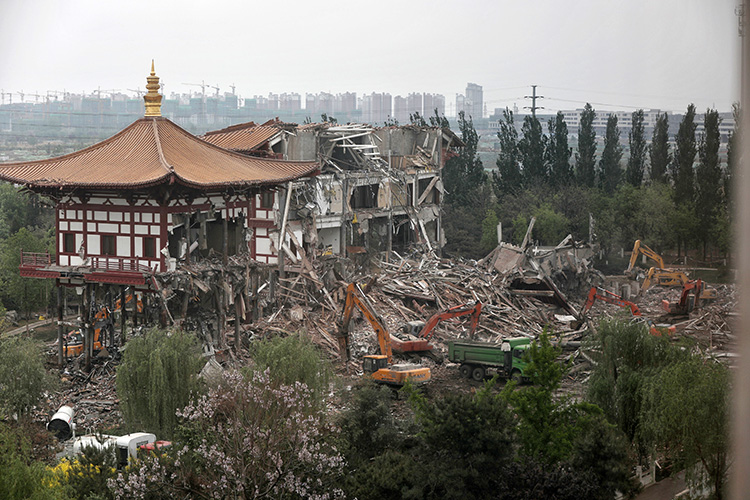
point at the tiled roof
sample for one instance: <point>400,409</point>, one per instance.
<point>153,151</point>
<point>242,137</point>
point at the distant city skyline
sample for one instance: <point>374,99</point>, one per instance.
<point>624,55</point>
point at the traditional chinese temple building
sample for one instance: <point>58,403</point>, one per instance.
<point>149,198</point>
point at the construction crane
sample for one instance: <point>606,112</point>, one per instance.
<point>217,90</point>
<point>202,85</point>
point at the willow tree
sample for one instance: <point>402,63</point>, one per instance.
<point>158,374</point>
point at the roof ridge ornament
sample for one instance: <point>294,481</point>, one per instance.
<point>152,97</point>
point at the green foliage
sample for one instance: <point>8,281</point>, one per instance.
<point>157,376</point>
<point>558,153</point>
<point>464,438</point>
<point>417,119</point>
<point>626,355</point>
<point>22,210</point>
<point>586,154</point>
<point>684,156</point>
<point>23,378</point>
<point>439,121</point>
<point>550,226</point>
<point>367,427</point>
<point>489,231</point>
<point>507,177</point>
<point>532,148</point>
<point>708,200</point>
<point>659,152</point>
<point>541,428</point>
<point>557,430</point>
<point>686,416</point>
<point>463,226</point>
<point>637,142</point>
<point>26,294</point>
<point>609,165</point>
<point>20,477</point>
<point>294,359</point>
<point>520,225</point>
<point>464,175</point>
<point>90,471</point>
<point>732,160</point>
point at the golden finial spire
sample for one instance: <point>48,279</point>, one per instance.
<point>153,97</point>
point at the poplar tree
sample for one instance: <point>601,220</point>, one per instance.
<point>532,146</point>
<point>682,175</point>
<point>609,165</point>
<point>507,177</point>
<point>558,152</point>
<point>684,156</point>
<point>637,143</point>
<point>708,178</point>
<point>586,154</point>
<point>464,174</point>
<point>659,152</point>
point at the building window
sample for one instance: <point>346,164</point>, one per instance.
<point>149,248</point>
<point>69,243</point>
<point>109,246</point>
<point>266,200</point>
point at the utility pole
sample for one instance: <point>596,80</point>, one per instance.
<point>533,98</point>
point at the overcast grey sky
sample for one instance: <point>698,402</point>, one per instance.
<point>616,54</point>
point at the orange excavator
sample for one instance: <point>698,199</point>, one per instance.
<point>377,366</point>
<point>612,298</point>
<point>689,299</point>
<point>416,335</point>
<point>73,341</point>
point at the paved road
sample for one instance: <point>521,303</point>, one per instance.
<point>22,329</point>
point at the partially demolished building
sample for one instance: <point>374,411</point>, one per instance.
<point>377,190</point>
<point>143,208</point>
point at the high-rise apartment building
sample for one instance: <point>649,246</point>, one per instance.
<point>474,100</point>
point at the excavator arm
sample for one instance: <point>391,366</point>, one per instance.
<point>607,296</point>
<point>454,312</point>
<point>356,297</point>
<point>640,248</point>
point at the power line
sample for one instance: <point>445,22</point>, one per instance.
<point>533,98</point>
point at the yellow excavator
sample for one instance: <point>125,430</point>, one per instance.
<point>378,366</point>
<point>658,275</point>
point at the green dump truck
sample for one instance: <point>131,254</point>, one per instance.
<point>477,358</point>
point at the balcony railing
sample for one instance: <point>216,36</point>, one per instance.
<point>35,259</point>
<point>120,265</point>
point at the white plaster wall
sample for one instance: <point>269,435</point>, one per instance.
<point>93,246</point>
<point>263,245</point>
<point>76,226</point>
<point>123,246</point>
<point>108,228</point>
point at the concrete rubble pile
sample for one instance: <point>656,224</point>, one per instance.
<point>521,293</point>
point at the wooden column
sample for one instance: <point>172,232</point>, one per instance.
<point>123,313</point>
<point>60,318</point>
<point>237,320</point>
<point>225,239</point>
<point>110,307</point>
<point>87,337</point>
